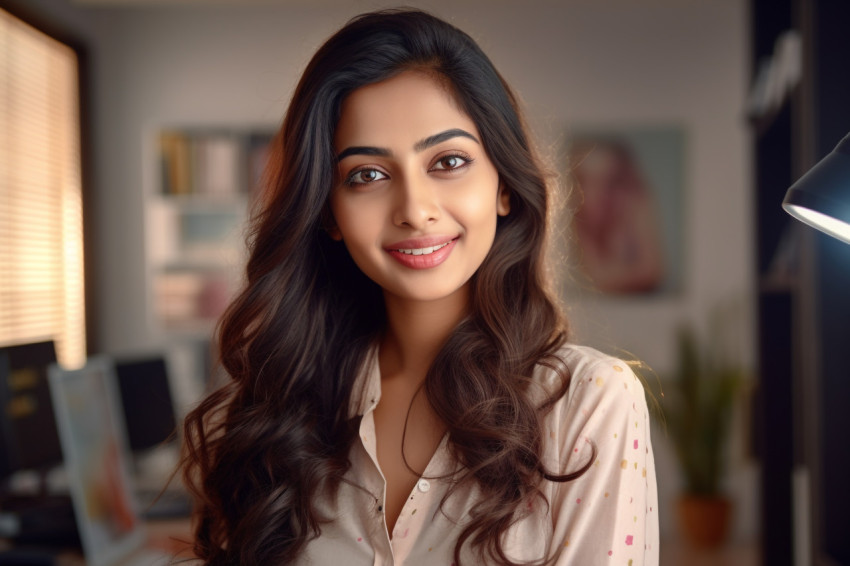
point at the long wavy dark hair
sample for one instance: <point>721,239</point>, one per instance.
<point>259,449</point>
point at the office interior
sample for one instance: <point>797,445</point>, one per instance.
<point>690,67</point>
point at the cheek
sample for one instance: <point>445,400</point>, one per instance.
<point>358,223</point>
<point>478,210</point>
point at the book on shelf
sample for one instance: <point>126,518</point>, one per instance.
<point>218,165</point>
<point>187,298</point>
<point>176,296</point>
<point>176,163</point>
<point>213,163</point>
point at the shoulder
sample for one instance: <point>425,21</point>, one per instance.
<point>582,359</point>
<point>602,388</point>
<point>588,370</point>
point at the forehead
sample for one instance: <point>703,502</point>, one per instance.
<point>405,108</point>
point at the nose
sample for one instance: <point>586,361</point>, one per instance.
<point>416,205</point>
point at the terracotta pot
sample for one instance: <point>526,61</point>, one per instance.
<point>704,519</point>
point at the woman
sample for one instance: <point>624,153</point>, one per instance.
<point>402,388</point>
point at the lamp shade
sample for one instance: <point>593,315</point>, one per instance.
<point>821,197</point>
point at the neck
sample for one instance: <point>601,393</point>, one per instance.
<point>416,330</point>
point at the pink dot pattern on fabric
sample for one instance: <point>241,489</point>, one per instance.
<point>610,500</point>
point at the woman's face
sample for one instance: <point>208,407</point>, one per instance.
<point>417,197</point>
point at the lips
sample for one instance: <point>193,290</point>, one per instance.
<point>422,253</point>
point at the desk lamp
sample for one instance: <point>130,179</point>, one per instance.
<point>821,197</point>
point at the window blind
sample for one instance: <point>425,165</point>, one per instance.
<point>41,240</point>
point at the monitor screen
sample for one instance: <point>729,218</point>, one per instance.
<point>28,435</point>
<point>146,399</point>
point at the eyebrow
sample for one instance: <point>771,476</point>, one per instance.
<point>443,136</point>
<point>421,145</point>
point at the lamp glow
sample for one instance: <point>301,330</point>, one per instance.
<point>821,197</point>
<point>828,224</point>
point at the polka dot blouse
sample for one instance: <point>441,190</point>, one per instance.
<point>608,516</point>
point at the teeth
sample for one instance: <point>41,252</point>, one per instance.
<point>424,251</point>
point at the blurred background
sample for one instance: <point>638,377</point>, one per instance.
<point>672,129</point>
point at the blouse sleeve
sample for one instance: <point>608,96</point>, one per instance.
<point>609,515</point>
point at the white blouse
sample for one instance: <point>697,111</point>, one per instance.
<point>609,515</point>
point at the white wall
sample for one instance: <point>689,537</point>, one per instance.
<point>582,61</point>
<point>614,62</point>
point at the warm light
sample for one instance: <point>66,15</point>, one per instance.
<point>41,231</point>
<point>833,227</point>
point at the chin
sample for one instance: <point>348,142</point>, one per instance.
<point>423,296</point>
<point>426,291</point>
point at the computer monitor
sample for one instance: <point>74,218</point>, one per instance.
<point>28,436</point>
<point>145,393</point>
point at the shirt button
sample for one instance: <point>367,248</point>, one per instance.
<point>424,486</point>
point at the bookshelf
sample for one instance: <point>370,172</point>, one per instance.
<point>195,220</point>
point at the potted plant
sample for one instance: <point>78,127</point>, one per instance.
<point>699,413</point>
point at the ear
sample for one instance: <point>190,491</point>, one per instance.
<point>503,205</point>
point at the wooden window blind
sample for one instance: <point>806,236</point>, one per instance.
<point>41,239</point>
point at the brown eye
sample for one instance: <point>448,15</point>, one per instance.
<point>364,176</point>
<point>451,162</point>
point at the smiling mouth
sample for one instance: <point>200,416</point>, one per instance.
<point>423,251</point>
<point>426,256</point>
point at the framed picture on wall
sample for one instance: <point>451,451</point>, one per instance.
<point>626,199</point>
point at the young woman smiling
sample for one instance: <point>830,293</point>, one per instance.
<point>403,390</point>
